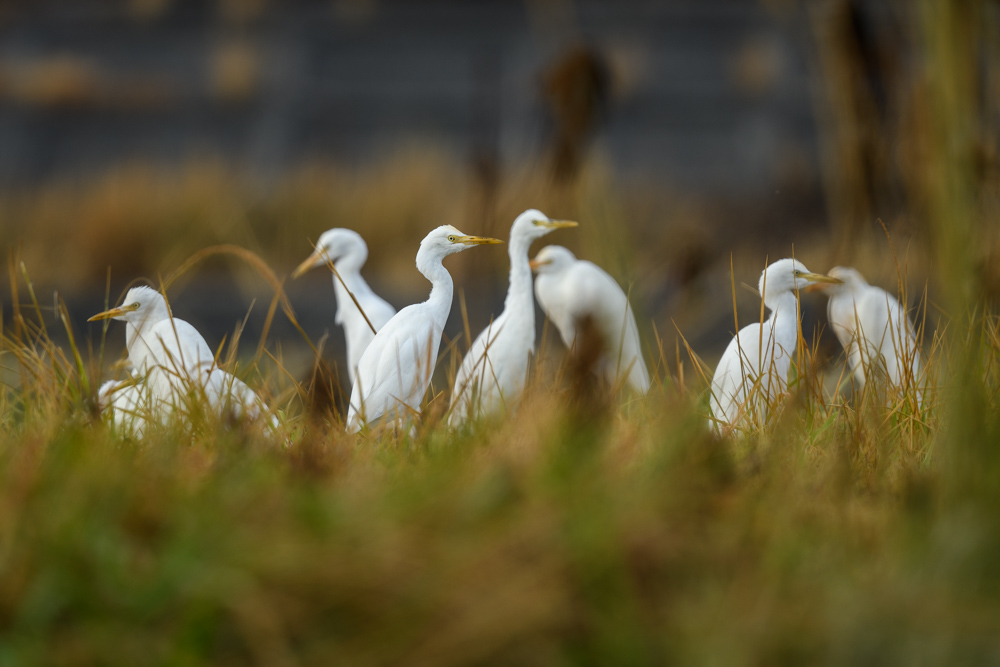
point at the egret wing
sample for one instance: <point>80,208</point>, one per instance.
<point>396,368</point>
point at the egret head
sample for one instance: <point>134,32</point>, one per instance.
<point>552,259</point>
<point>141,304</point>
<point>788,275</point>
<point>533,224</point>
<point>336,245</point>
<point>447,240</point>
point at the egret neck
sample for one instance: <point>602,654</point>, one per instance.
<point>520,296</point>
<point>782,328</point>
<point>429,264</point>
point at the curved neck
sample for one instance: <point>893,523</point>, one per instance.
<point>519,291</point>
<point>442,286</point>
<point>784,319</point>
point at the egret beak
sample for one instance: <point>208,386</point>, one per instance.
<point>818,281</point>
<point>535,264</point>
<point>820,278</point>
<point>312,260</point>
<point>114,312</point>
<point>556,224</point>
<point>476,240</point>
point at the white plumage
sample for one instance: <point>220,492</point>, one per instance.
<point>347,251</point>
<point>494,370</point>
<point>571,289</point>
<point>176,362</point>
<point>874,329</point>
<point>753,371</point>
<point>125,405</point>
<point>395,370</point>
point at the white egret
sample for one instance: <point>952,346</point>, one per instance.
<point>753,371</point>
<point>395,370</point>
<point>570,290</point>
<point>494,370</point>
<point>347,251</point>
<point>175,359</point>
<point>874,329</point>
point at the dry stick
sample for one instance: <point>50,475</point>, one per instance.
<point>18,339</point>
<point>34,300</point>
<point>173,326</point>
<point>281,368</point>
<point>486,361</point>
<point>661,362</point>
<point>740,354</point>
<point>254,261</point>
<point>266,329</point>
<point>64,316</point>
<point>749,406</point>
<point>465,316</point>
<point>901,288</point>
<point>238,334</point>
<point>351,294</point>
<point>450,351</point>
<point>15,303</point>
<point>681,385</point>
<point>699,365</point>
<point>104,329</point>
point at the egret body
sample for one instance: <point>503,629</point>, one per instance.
<point>570,290</point>
<point>874,329</point>
<point>395,370</point>
<point>175,359</point>
<point>753,371</point>
<point>347,251</point>
<point>494,370</point>
<point>125,404</point>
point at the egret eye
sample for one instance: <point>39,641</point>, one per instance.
<point>452,238</point>
<point>538,222</point>
<point>798,273</point>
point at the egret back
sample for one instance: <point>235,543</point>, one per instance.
<point>171,343</point>
<point>611,308</point>
<point>587,291</point>
<point>876,333</point>
<point>494,370</point>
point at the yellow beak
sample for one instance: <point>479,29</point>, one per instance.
<point>312,260</point>
<point>820,278</point>
<point>114,312</point>
<point>536,263</point>
<point>556,224</point>
<point>476,240</point>
<point>818,281</point>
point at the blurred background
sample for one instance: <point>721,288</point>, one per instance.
<point>694,141</point>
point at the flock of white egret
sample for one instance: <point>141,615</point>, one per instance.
<point>392,355</point>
